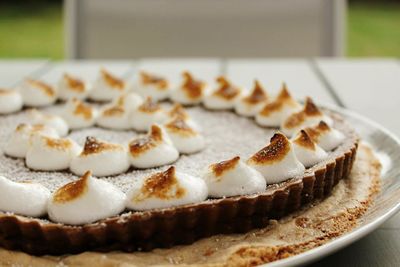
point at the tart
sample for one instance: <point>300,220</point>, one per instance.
<point>164,200</point>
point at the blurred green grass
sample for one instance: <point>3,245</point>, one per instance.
<point>31,31</point>
<point>37,31</point>
<point>373,30</point>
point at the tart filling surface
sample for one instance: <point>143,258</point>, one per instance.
<point>216,188</point>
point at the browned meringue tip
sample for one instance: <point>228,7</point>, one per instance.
<point>257,95</point>
<point>179,111</point>
<point>149,106</point>
<point>226,90</point>
<point>310,108</point>
<point>74,83</point>
<point>284,92</point>
<point>315,132</point>
<point>277,149</point>
<point>73,190</point>
<point>20,127</point>
<point>35,127</point>
<point>296,119</point>
<point>58,143</point>
<point>112,80</point>
<point>114,111</point>
<point>44,87</point>
<point>304,140</point>
<point>151,79</point>
<point>161,185</point>
<point>156,132</point>
<point>221,167</point>
<point>144,143</point>
<point>192,87</point>
<point>94,146</point>
<point>4,91</point>
<point>179,126</point>
<point>81,109</point>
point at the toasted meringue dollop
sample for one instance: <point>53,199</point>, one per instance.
<point>276,111</point>
<point>70,87</point>
<point>118,115</point>
<point>166,189</point>
<point>233,177</point>
<point>10,101</point>
<point>150,85</point>
<point>224,97</point>
<point>25,198</point>
<point>153,150</point>
<point>325,136</point>
<point>114,116</point>
<point>178,111</point>
<point>147,114</point>
<point>130,101</point>
<point>307,152</point>
<point>185,138</point>
<point>37,93</point>
<point>107,87</point>
<point>85,200</point>
<point>277,162</point>
<point>51,154</point>
<point>308,116</point>
<point>19,142</point>
<point>251,104</point>
<point>103,159</point>
<point>78,114</point>
<point>53,121</point>
<point>190,92</point>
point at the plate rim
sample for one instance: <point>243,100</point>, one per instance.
<point>357,233</point>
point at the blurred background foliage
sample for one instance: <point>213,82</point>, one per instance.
<point>34,28</point>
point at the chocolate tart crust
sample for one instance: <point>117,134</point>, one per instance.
<point>144,231</point>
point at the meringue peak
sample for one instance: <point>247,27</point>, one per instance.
<point>180,126</point>
<point>58,143</point>
<point>298,118</point>
<point>111,80</point>
<point>114,111</point>
<point>95,146</point>
<point>72,190</point>
<point>74,84</point>
<point>42,86</point>
<point>193,88</point>
<point>82,110</point>
<point>277,149</point>
<point>151,79</point>
<point>257,95</point>
<point>179,111</point>
<point>226,90</point>
<point>149,106</point>
<point>283,98</point>
<point>142,144</point>
<point>6,91</point>
<point>304,140</point>
<point>162,185</point>
<point>221,167</point>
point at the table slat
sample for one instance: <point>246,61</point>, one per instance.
<point>370,87</point>
<point>14,71</point>
<point>298,75</point>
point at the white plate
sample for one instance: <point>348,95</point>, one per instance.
<point>387,203</point>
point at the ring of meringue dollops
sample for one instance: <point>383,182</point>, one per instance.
<point>170,132</point>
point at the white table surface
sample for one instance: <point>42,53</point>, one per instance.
<point>369,86</point>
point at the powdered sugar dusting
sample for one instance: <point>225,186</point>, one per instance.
<point>227,135</point>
